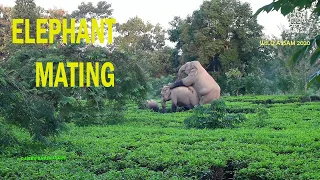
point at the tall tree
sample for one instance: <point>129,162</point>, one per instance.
<point>136,35</point>
<point>47,107</point>
<point>88,11</point>
<point>222,27</point>
<point>26,9</point>
<point>144,42</point>
<point>5,29</point>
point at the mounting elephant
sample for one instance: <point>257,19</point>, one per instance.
<point>197,77</point>
<point>151,104</point>
<point>185,97</point>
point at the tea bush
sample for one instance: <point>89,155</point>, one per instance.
<point>150,145</point>
<point>262,115</point>
<point>214,116</point>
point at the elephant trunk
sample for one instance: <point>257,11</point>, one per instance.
<point>182,68</point>
<point>163,105</point>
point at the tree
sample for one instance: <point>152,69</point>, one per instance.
<point>145,43</point>
<point>26,9</point>
<point>88,11</point>
<point>42,110</point>
<point>218,27</point>
<point>136,35</point>
<point>287,7</point>
<point>5,29</point>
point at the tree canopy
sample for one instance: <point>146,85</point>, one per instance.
<point>43,110</point>
<point>218,27</point>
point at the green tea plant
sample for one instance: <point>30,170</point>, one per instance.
<point>151,145</point>
<point>214,116</point>
<point>261,115</point>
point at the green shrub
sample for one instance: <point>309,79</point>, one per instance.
<point>85,113</point>
<point>27,110</point>
<point>261,116</point>
<point>157,84</point>
<point>43,110</point>
<point>6,136</point>
<point>214,116</point>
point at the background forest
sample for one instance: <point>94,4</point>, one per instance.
<point>143,64</point>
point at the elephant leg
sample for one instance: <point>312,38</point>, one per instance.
<point>163,106</point>
<point>201,101</point>
<point>186,108</point>
<point>174,108</point>
<point>208,98</point>
<point>204,100</point>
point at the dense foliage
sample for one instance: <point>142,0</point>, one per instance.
<point>312,51</point>
<point>150,145</point>
<point>105,133</point>
<point>42,110</point>
<point>214,26</point>
<point>213,116</point>
<point>25,109</point>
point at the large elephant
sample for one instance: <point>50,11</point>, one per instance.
<point>151,104</point>
<point>185,97</point>
<point>197,77</point>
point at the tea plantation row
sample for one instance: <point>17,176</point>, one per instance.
<point>148,145</point>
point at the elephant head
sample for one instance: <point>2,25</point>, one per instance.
<point>165,96</point>
<point>165,93</point>
<point>151,104</point>
<point>188,68</point>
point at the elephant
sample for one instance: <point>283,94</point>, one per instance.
<point>151,104</point>
<point>197,77</point>
<point>185,97</point>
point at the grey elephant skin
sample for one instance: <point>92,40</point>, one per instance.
<point>186,97</point>
<point>197,77</point>
<point>151,104</point>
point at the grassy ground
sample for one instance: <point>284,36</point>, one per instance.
<point>151,145</point>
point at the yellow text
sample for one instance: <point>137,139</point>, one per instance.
<point>45,75</point>
<point>55,28</point>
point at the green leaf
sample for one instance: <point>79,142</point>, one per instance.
<point>315,56</point>
<point>314,77</point>
<point>317,10</point>
<point>266,8</point>
<point>318,40</point>
<point>287,9</point>
<point>297,56</point>
<point>300,3</point>
<point>277,5</point>
<point>269,7</point>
